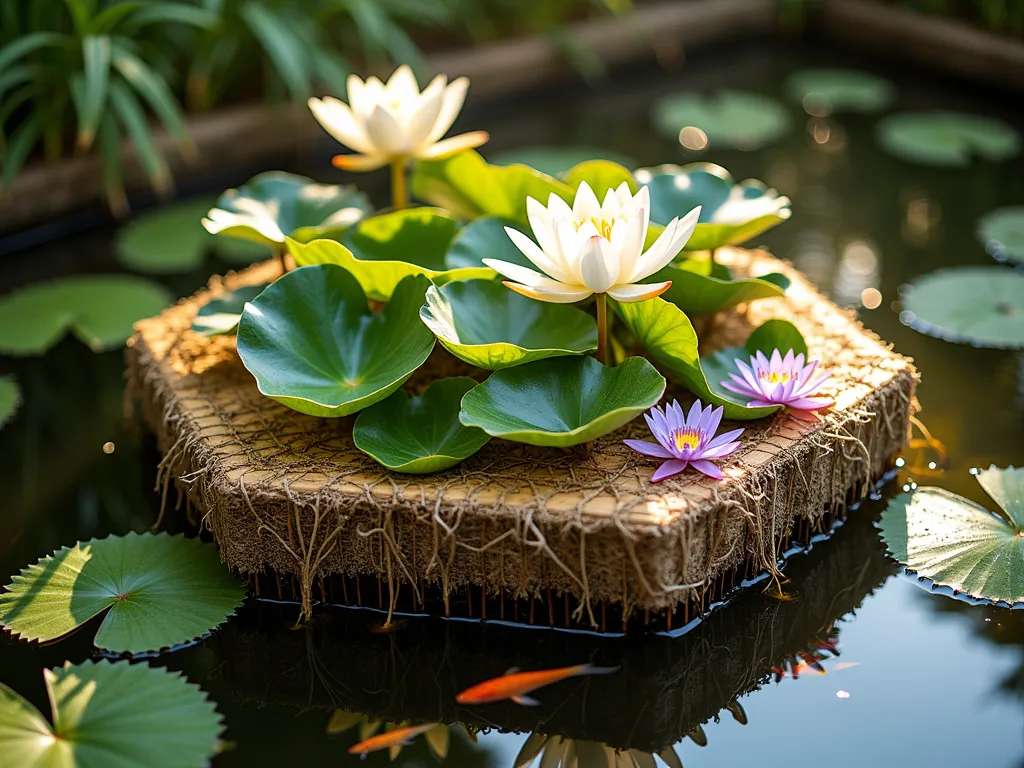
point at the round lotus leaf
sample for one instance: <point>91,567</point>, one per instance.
<point>492,327</point>
<point>10,399</point>
<point>420,434</point>
<point>485,238</point>
<point>983,306</point>
<point>947,138</point>
<point>840,90</point>
<point>1002,233</point>
<point>562,401</point>
<point>221,315</point>
<point>556,161</point>
<point>274,206</point>
<point>697,291</point>
<point>730,213</point>
<point>735,119</point>
<point>156,590</point>
<point>958,544</point>
<point>168,239</point>
<point>312,343</point>
<point>99,310</point>
<point>111,714</point>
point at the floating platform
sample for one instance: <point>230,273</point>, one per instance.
<point>516,532</point>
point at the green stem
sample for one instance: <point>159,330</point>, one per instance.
<point>399,191</point>
<point>602,328</point>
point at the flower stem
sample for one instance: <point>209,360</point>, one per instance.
<point>279,253</point>
<point>602,328</point>
<point>399,191</point>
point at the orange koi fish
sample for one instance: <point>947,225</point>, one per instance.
<point>400,737</point>
<point>515,684</point>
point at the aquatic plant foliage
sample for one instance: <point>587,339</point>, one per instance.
<point>1002,233</point>
<point>557,160</point>
<point>831,90</point>
<point>727,118</point>
<point>947,138</point>
<point>10,399</point>
<point>221,315</point>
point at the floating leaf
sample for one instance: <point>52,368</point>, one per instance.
<point>313,344</point>
<point>728,118</point>
<point>697,292</point>
<point>1002,233</point>
<point>111,714</point>
<point>489,326</point>
<point>99,310</point>
<point>221,315</point>
<point>947,138</point>
<point>730,213</point>
<point>556,161</point>
<point>157,591</point>
<point>983,306</point>
<point>562,401</point>
<point>421,434</point>
<point>485,238</point>
<point>10,399</point>
<point>954,542</point>
<point>600,175</point>
<point>840,90</point>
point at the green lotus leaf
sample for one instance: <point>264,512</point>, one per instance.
<point>1002,233</point>
<point>10,399</point>
<point>421,434</point>
<point>562,401</point>
<point>168,239</point>
<point>111,715</point>
<point>275,206</point>
<point>312,343</point>
<point>557,161</point>
<point>600,175</point>
<point>221,315</point>
<point>736,119</point>
<point>667,335</point>
<point>157,591</point>
<point>99,310</point>
<point>947,138</point>
<point>492,327</point>
<point>485,238</point>
<point>840,90</point>
<point>730,213</point>
<point>382,250</point>
<point>697,292</point>
<point>470,187</point>
<point>958,544</point>
<point>983,306</point>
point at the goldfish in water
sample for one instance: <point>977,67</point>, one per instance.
<point>400,737</point>
<point>515,684</point>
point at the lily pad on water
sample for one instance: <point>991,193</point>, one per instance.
<point>99,310</point>
<point>696,291</point>
<point>947,138</point>
<point>157,591</point>
<point>840,90</point>
<point>556,161</point>
<point>730,213</point>
<point>485,238</point>
<point>492,327</point>
<point>562,401</point>
<point>274,206</point>
<point>421,434</point>
<point>736,119</point>
<point>10,399</point>
<point>108,714</point>
<point>983,306</point>
<point>954,542</point>
<point>1002,233</point>
<point>312,343</point>
<point>221,315</point>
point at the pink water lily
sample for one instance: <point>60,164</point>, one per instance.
<point>780,381</point>
<point>686,440</point>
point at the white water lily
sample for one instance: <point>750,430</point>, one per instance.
<point>393,121</point>
<point>593,248</point>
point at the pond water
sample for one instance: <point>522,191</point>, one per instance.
<point>920,678</point>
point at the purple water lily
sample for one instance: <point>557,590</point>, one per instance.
<point>686,440</point>
<point>779,381</point>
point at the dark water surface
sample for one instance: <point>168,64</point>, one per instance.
<point>921,680</point>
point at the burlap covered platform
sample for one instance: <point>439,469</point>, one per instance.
<point>289,493</point>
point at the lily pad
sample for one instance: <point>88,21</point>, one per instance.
<point>107,714</point>
<point>485,238</point>
<point>840,90</point>
<point>556,161</point>
<point>312,343</point>
<point>730,213</point>
<point>1002,233</point>
<point>562,401</point>
<point>983,306</point>
<point>221,315</point>
<point>735,119</point>
<point>421,434</point>
<point>947,138</point>
<point>382,250</point>
<point>696,291</point>
<point>274,206</point>
<point>489,326</point>
<point>157,591</point>
<point>958,544</point>
<point>10,399</point>
<point>99,310</point>
<point>600,175</point>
